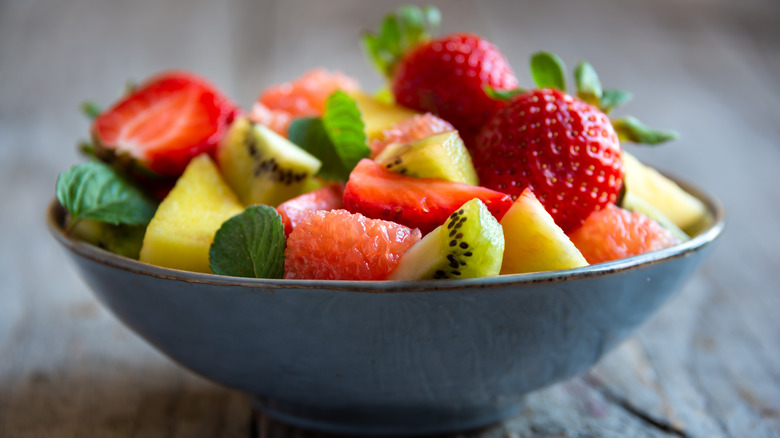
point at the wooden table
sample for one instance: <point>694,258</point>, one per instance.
<point>707,365</point>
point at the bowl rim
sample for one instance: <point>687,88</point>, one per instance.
<point>55,214</point>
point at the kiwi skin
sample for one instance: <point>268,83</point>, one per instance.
<point>469,244</point>
<point>442,155</point>
<point>263,167</point>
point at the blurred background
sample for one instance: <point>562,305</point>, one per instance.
<point>709,69</point>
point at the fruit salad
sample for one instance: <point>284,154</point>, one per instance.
<point>453,170</point>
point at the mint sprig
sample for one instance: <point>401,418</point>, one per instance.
<point>96,191</point>
<point>399,32</point>
<point>250,244</point>
<point>337,139</point>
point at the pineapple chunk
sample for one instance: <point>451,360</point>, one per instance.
<point>682,208</point>
<point>181,231</point>
<point>378,116</point>
<point>534,242</point>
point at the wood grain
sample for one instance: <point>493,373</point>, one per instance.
<point>708,364</point>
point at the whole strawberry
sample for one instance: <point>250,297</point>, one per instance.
<point>447,76</point>
<point>565,149</point>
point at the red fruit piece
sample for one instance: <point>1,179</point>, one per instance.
<point>408,130</point>
<point>278,105</point>
<point>164,123</point>
<point>448,76</point>
<point>422,203</point>
<point>325,198</point>
<point>614,233</point>
<point>338,245</point>
<point>565,150</point>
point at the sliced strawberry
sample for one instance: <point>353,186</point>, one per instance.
<point>164,123</point>
<point>422,203</point>
<point>325,198</point>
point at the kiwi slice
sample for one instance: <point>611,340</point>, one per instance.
<point>125,240</point>
<point>441,156</point>
<point>263,167</point>
<point>469,244</point>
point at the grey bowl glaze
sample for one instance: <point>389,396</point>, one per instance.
<point>388,358</point>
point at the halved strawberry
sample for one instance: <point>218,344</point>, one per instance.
<point>163,123</point>
<point>422,203</point>
<point>326,198</point>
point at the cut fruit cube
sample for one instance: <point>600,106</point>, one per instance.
<point>181,231</point>
<point>534,243</point>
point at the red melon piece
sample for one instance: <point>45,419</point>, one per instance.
<point>339,245</point>
<point>325,198</point>
<point>423,203</point>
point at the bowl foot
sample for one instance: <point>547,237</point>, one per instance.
<point>364,421</point>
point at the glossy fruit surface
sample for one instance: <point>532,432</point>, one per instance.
<point>614,233</point>
<point>423,203</point>
<point>410,129</point>
<point>447,77</point>
<point>565,150</point>
<point>339,245</point>
<point>326,198</point>
<point>164,123</point>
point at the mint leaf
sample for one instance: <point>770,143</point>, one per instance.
<point>548,70</point>
<point>502,94</point>
<point>337,139</point>
<point>345,128</point>
<point>632,130</point>
<point>311,136</point>
<point>95,191</point>
<point>250,244</point>
<point>612,98</point>
<point>588,84</point>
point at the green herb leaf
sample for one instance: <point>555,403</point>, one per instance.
<point>548,70</point>
<point>95,191</point>
<point>399,32</point>
<point>311,136</point>
<point>91,109</point>
<point>632,130</point>
<point>588,84</point>
<point>502,94</point>
<point>345,127</point>
<point>337,139</point>
<point>611,98</point>
<point>250,244</point>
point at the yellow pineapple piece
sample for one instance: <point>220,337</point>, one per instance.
<point>378,116</point>
<point>181,231</point>
<point>533,242</point>
<point>682,208</point>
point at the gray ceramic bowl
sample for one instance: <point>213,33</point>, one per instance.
<point>388,358</point>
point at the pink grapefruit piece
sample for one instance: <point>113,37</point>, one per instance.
<point>614,233</point>
<point>339,245</point>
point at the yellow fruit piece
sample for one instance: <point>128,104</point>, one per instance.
<point>682,208</point>
<point>378,116</point>
<point>533,242</point>
<point>181,231</point>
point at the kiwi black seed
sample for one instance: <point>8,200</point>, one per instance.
<point>473,249</point>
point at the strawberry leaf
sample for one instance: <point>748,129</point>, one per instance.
<point>632,130</point>
<point>502,94</point>
<point>548,70</point>
<point>91,109</point>
<point>588,84</point>
<point>399,32</point>
<point>95,191</point>
<point>611,99</point>
<point>250,244</point>
<point>337,139</point>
